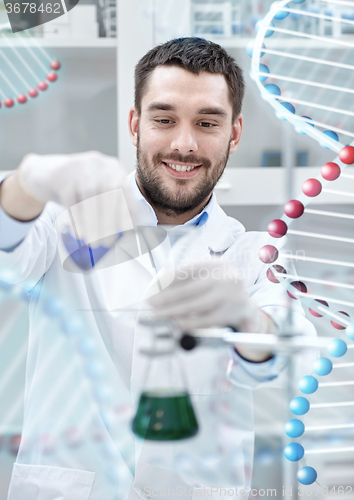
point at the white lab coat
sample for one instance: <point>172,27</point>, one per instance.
<point>68,392</point>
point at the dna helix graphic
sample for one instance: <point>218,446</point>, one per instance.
<point>318,305</point>
<point>305,48</point>
<point>26,69</point>
<point>70,333</point>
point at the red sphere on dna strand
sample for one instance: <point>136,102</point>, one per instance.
<point>21,75</point>
<point>293,84</point>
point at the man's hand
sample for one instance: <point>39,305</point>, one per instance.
<point>16,202</point>
<point>210,294</point>
<point>70,180</point>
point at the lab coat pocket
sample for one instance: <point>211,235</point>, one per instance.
<point>37,482</point>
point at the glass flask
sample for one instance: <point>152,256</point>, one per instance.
<point>165,411</point>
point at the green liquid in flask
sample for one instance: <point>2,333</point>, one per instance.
<point>162,416</point>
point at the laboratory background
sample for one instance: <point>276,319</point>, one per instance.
<point>85,107</point>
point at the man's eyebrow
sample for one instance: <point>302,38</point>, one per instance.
<point>161,106</point>
<point>212,111</point>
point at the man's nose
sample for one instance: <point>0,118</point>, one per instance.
<point>184,139</point>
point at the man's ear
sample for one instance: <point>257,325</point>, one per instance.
<point>133,123</point>
<point>236,133</point>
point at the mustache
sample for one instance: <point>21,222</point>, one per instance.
<point>175,157</point>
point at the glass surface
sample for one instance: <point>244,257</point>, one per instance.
<point>165,416</point>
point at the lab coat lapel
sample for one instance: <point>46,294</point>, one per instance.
<point>220,230</point>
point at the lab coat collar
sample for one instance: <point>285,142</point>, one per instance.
<point>219,230</point>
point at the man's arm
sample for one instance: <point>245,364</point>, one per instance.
<point>262,323</point>
<point>28,243</point>
<point>218,299</point>
<point>67,180</point>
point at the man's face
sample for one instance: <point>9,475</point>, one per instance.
<point>184,137</point>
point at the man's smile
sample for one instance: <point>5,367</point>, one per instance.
<point>181,170</point>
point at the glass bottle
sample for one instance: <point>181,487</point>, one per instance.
<point>165,411</point>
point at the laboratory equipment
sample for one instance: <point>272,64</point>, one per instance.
<point>165,411</point>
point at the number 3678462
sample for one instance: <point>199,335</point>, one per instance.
<point>33,8</point>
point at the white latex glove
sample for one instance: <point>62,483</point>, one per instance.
<point>94,186</point>
<point>208,294</point>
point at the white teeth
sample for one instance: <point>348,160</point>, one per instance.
<point>180,168</point>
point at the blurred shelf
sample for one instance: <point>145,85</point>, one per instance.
<point>267,186</point>
<point>10,430</point>
<point>284,42</point>
<point>59,42</point>
<point>227,42</point>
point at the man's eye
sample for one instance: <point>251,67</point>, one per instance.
<point>206,124</point>
<point>164,122</point>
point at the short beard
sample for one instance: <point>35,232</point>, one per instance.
<point>159,196</point>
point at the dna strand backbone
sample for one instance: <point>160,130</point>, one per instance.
<point>26,69</point>
<point>88,435</point>
<point>316,105</point>
<point>302,63</point>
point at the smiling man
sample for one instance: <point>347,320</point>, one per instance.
<point>185,123</point>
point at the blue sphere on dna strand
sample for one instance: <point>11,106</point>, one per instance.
<point>299,405</point>
<point>323,366</point>
<point>308,384</point>
<point>294,428</point>
<point>307,475</point>
<point>294,452</point>
<point>322,108</point>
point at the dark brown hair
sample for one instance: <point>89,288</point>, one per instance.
<point>194,55</point>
